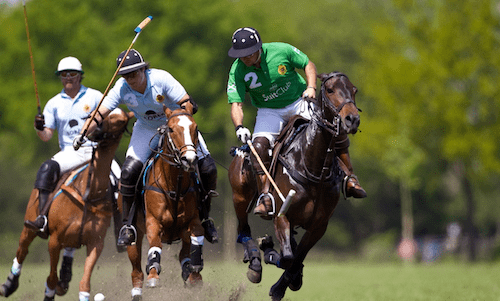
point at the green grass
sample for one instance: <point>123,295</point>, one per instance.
<point>323,280</point>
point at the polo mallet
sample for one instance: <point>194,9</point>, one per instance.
<point>291,193</point>
<point>138,30</point>
<point>31,58</point>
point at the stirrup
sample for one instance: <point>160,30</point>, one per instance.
<point>33,226</point>
<point>124,237</point>
<point>273,203</point>
<point>212,193</point>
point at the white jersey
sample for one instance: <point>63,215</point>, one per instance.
<point>67,115</point>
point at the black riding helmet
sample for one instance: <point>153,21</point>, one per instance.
<point>246,41</point>
<point>133,61</point>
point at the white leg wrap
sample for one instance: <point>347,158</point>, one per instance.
<point>16,267</point>
<point>154,249</point>
<point>136,291</point>
<point>83,296</point>
<point>48,292</point>
<point>197,240</point>
<point>69,252</point>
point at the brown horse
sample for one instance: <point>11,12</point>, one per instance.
<point>170,203</point>
<point>80,213</point>
<point>304,160</point>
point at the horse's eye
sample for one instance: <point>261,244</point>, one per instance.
<point>329,90</point>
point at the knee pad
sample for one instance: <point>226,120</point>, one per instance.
<point>262,146</point>
<point>48,175</point>
<point>131,171</point>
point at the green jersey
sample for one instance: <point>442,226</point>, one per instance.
<point>275,84</point>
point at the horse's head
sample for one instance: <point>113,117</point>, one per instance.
<point>182,135</point>
<point>337,98</point>
<point>112,127</point>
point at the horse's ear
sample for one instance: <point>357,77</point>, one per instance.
<point>355,90</point>
<point>322,76</point>
<point>188,106</point>
<point>167,111</point>
<point>130,115</point>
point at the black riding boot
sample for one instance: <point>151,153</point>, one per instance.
<point>46,181</point>
<point>131,171</point>
<point>265,201</point>
<point>350,184</point>
<point>208,174</point>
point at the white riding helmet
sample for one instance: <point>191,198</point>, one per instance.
<point>69,63</point>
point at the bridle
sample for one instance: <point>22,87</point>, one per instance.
<point>331,126</point>
<point>171,154</point>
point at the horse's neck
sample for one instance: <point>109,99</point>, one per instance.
<point>101,168</point>
<point>170,175</point>
<point>317,147</point>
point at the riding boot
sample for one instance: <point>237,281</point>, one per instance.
<point>208,175</point>
<point>265,201</point>
<point>131,171</point>
<point>46,181</point>
<point>350,183</point>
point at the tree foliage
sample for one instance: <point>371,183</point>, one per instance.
<point>427,72</point>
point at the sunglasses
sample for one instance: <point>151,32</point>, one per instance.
<point>130,75</point>
<point>68,74</point>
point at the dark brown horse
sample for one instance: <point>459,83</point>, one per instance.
<point>304,160</point>
<point>80,213</point>
<point>170,203</point>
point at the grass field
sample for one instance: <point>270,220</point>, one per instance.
<point>323,280</point>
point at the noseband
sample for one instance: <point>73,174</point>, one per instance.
<point>172,154</point>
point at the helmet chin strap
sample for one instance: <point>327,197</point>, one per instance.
<point>258,58</point>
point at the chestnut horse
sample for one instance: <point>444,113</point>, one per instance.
<point>80,213</point>
<point>170,208</point>
<point>304,160</point>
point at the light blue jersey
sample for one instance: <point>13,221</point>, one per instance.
<point>67,115</point>
<point>162,89</point>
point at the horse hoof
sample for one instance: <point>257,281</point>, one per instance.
<point>137,298</point>
<point>194,280</point>
<point>275,294</point>
<point>62,288</point>
<point>254,276</point>
<point>153,282</point>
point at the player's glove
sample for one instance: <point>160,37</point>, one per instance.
<point>243,133</point>
<point>39,123</point>
<point>79,141</point>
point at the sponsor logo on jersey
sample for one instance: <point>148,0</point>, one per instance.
<point>282,69</point>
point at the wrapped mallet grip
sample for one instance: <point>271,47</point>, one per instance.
<point>143,24</point>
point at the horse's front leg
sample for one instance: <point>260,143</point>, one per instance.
<point>12,283</point>
<point>94,250</point>
<point>283,234</point>
<point>134,255</point>
<point>153,267</point>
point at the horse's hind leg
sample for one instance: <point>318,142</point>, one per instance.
<point>191,259</point>
<point>250,248</point>
<point>54,250</point>
<point>12,283</point>
<point>65,273</point>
